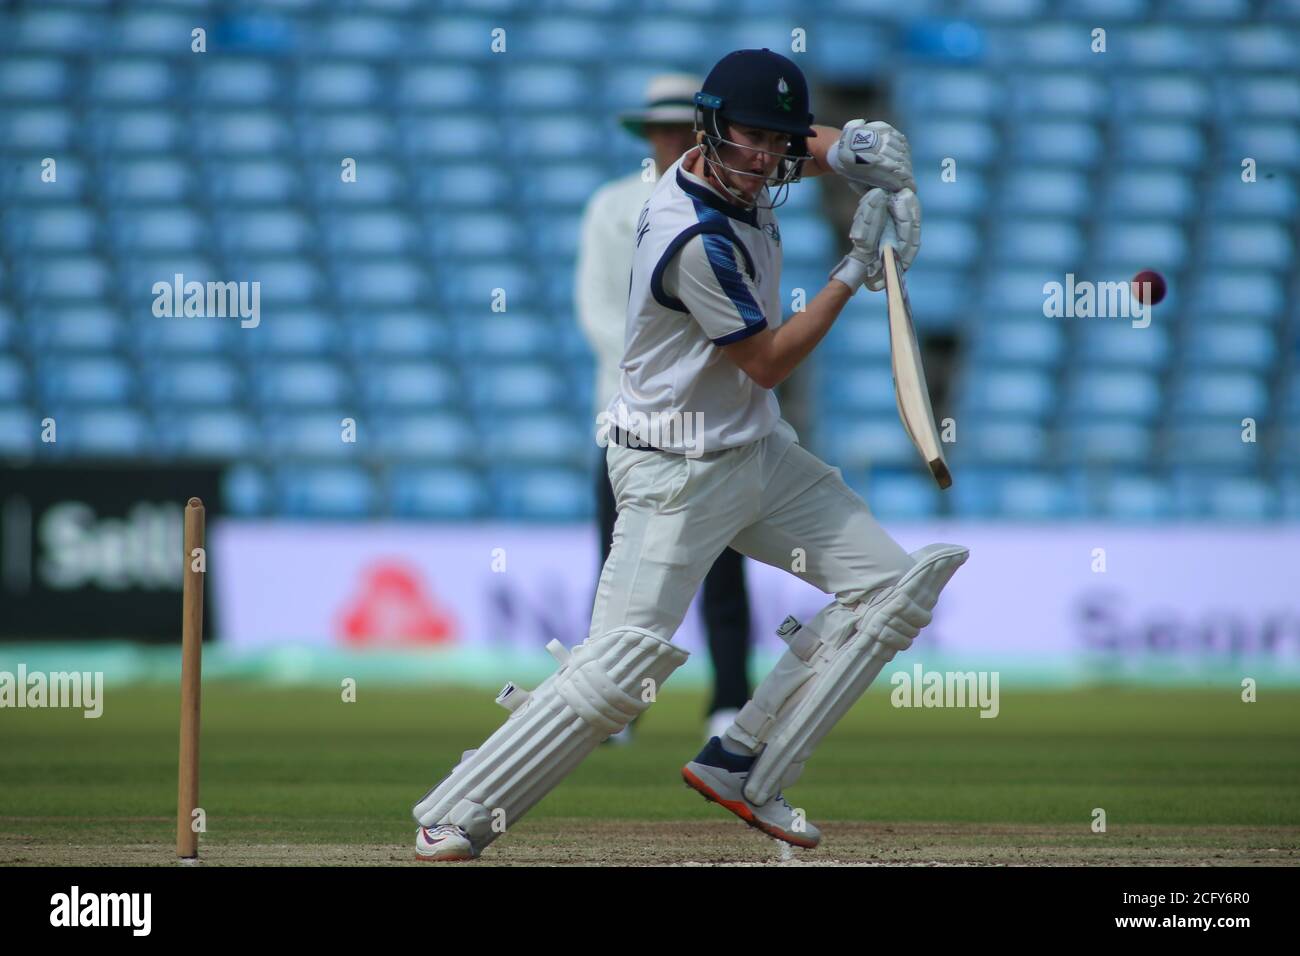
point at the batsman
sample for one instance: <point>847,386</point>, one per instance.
<point>706,343</point>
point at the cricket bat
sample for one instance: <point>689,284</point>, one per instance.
<point>910,390</point>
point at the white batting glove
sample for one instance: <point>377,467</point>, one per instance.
<point>862,266</point>
<point>876,210</point>
<point>872,154</point>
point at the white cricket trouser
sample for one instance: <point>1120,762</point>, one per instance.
<point>771,500</point>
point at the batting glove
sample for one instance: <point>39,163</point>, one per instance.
<point>872,154</point>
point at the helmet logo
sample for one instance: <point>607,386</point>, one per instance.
<point>783,95</point>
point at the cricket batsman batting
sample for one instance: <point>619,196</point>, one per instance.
<point>705,341</point>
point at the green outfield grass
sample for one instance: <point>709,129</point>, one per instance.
<point>299,766</point>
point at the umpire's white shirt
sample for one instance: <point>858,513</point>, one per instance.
<point>604,264</point>
<point>705,272</point>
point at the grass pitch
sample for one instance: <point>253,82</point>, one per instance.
<point>297,776</point>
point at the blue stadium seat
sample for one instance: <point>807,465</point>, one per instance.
<point>249,132</point>
<point>378,182</point>
<point>423,436</point>
<point>1272,143</point>
<point>158,230</point>
<point>13,379</point>
<point>265,231</point>
<point>1162,95</point>
<point>50,30</point>
<point>1038,190</point>
<point>897,497</point>
<point>1257,96</point>
<point>1273,198</point>
<point>1119,344</point>
<point>360,36</point>
<point>54,228</point>
<point>1117,393</point>
<point>260,182</point>
<point>1056,245</point>
<point>475,235</point>
<point>536,438</point>
<point>66,277</point>
<point>25,78</point>
<point>999,441</point>
<point>556,138</point>
<point>405,334</point>
<point>1028,342</point>
<point>514,385</point>
<point>426,86</point>
<point>1222,294</point>
<point>245,491</point>
<point>148,180</point>
<point>72,329</point>
<point>334,491</point>
<point>1259,46</point>
<point>445,493</point>
<point>105,431</point>
<point>1150,192</point>
<point>450,185</point>
<point>203,381</point>
<point>1064,94</point>
<point>568,185</point>
<point>133,80</point>
<point>408,385</point>
<point>855,442</point>
<point>236,80</point>
<point>1220,393</point>
<point>546,494</point>
<point>313,435</point>
<point>372,232</point>
<point>570,39</point>
<point>153,32</point>
<point>46,128</point>
<point>546,87</point>
<point>208,433</point>
<point>970,141</point>
<point>1106,442</point>
<point>355,135</point>
<point>301,383</point>
<point>20,429</point>
<point>1060,143</point>
<point>339,84</point>
<point>1240,345</point>
<point>284,281</point>
<point>968,194</point>
<point>1159,143</point>
<point>471,288</point>
<point>1134,497</point>
<point>1008,391</point>
<point>450,137</point>
<point>385,282</point>
<point>1265,245</point>
<point>859,387</point>
<point>1214,443</point>
<point>1157,245</point>
<point>285,333</point>
<point>935,91</point>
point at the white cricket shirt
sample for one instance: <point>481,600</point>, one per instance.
<point>705,272</point>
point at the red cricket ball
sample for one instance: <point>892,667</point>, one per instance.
<point>1149,287</point>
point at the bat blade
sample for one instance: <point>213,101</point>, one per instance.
<point>910,390</point>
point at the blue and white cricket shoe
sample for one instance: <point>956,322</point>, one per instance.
<point>720,776</point>
<point>444,843</point>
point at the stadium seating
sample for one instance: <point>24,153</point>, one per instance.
<point>379,295</point>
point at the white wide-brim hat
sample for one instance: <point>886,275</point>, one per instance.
<point>669,99</point>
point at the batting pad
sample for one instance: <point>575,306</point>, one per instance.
<point>823,674</point>
<point>601,686</point>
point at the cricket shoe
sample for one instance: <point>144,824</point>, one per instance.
<point>444,843</point>
<point>720,776</point>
